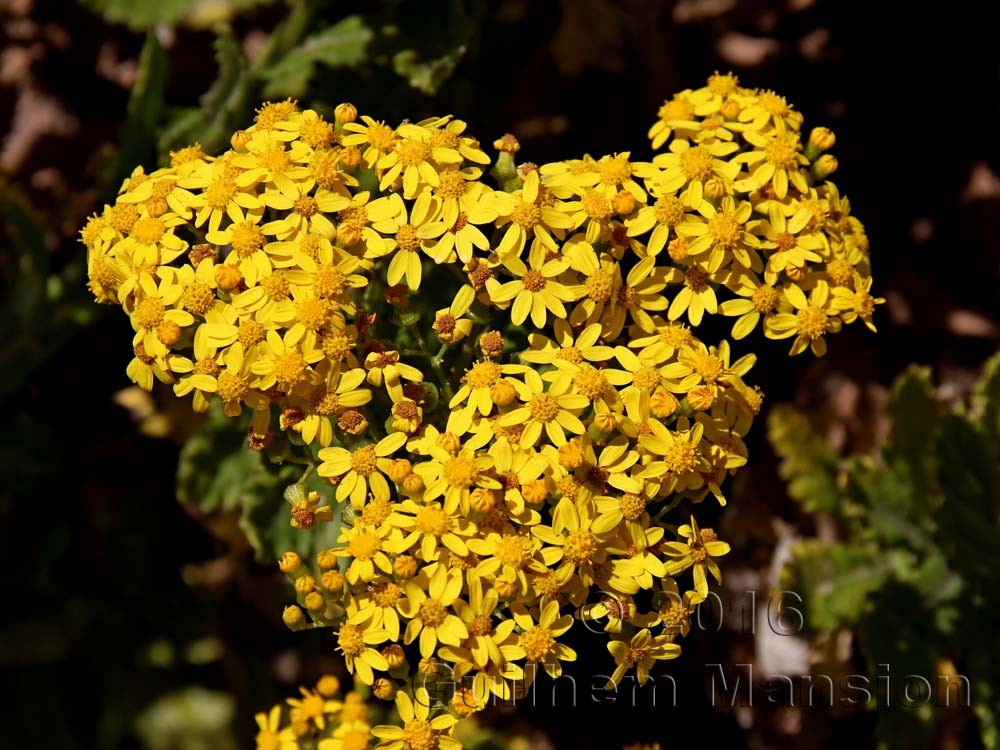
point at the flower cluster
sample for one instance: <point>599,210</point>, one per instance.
<point>499,386</point>
<point>320,717</point>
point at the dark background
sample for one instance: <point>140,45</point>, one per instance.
<point>117,596</point>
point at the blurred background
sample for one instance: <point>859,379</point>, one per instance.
<point>136,540</point>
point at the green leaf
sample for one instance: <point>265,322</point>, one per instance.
<point>807,462</point>
<point>914,413</point>
<point>146,106</point>
<point>426,76</point>
<point>140,15</point>
<point>835,581</point>
<point>343,44</point>
<point>985,404</point>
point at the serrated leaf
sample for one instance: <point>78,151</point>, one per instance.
<point>835,581</point>
<point>140,15</point>
<point>986,398</point>
<point>344,43</point>
<point>427,76</point>
<point>913,410</point>
<point>807,462</point>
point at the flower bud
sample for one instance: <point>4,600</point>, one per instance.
<point>294,617</point>
<point>824,166</point>
<point>346,112</point>
<point>394,655</point>
<point>384,689</point>
<point>328,685</point>
<point>289,563</point>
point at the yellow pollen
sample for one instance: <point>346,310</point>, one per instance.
<point>481,625</point>
<point>709,367</point>
<point>381,136</point>
<point>276,286</point>
<point>386,594</point>
<point>528,215</point>
<point>646,379</point>
<point>312,313</point>
<point>633,506</point>
<point>510,551</point>
<point>772,103</point>
<point>305,206</point>
<point>482,374</point>
<point>289,368</point>
<point>596,206</point>
<point>725,231</point>
<point>433,521</point>
<point>600,286</point>
<point>678,249</point>
<point>168,332</point>
<point>538,643</point>
<point>680,458</point>
<point>460,473</point>
<point>764,299</point>
<point>698,553</point>
<point>452,185</point>
<point>627,296</point>
<point>275,159</point>
<point>232,387</point>
<point>207,366</point>
<point>412,153</point>
<point>198,298</point>
<point>407,238</point>
<point>418,735</point>
<point>614,170</point>
<point>363,460</point>
<point>432,612</point>
<point>668,210</point>
<point>781,153</point>
<point>124,216</point>
<point>251,332</point>
<point>722,84</point>
<point>351,640</point>
<point>811,322</point>
<point>336,345</point>
<point>534,281</point>
<point>678,108</point>
<point>570,354</point>
<point>147,231</point>
<point>149,313</point>
<point>329,282</point>
<point>219,193</point>
<point>591,383</point>
<point>580,546</point>
<point>246,239</point>
<point>364,545</point>
<point>696,163</point>
<point>673,615</point>
<point>544,407</point>
<point>839,271</point>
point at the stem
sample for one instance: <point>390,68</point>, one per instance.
<point>432,360</point>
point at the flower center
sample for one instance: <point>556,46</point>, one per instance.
<point>460,473</point>
<point>528,215</point>
<point>149,313</point>
<point>600,286</point>
<point>724,230</point>
<point>696,163</point>
<point>246,239</point>
<point>363,460</point>
<point>544,407</point>
<point>432,612</point>
<point>764,299</point>
<point>668,210</point>
<point>482,374</point>
<point>580,546</point>
<point>433,521</point>
<point>351,640</point>
<point>538,643</point>
<point>810,322</point>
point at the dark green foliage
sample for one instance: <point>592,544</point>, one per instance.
<point>918,548</point>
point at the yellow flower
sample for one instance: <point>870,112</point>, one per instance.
<point>813,317</point>
<point>698,551</point>
<point>312,707</point>
<point>356,644</point>
<point>856,303</point>
<point>537,640</point>
<point>389,217</point>
<point>537,293</point>
<point>553,412</point>
<point>419,730</point>
<point>429,525</point>
<point>362,470</point>
<point>640,652</point>
<point>525,218</point>
<point>426,607</point>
